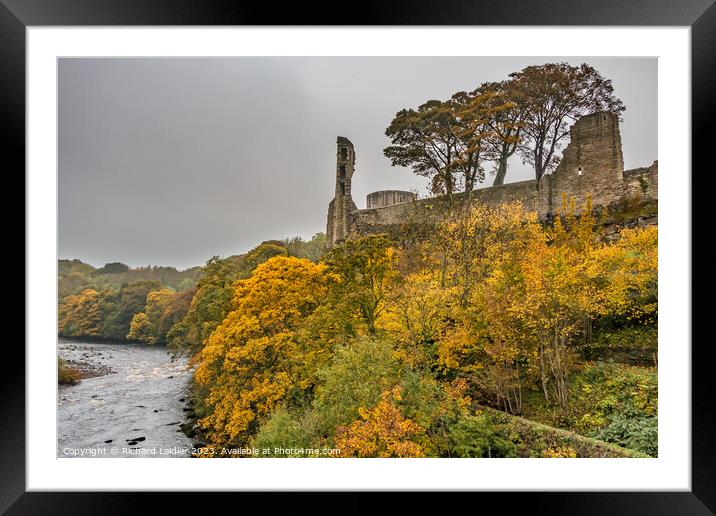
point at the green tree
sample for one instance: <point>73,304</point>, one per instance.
<point>263,252</point>
<point>209,305</point>
<point>312,249</point>
<point>480,436</point>
<point>120,310</point>
<point>363,266</point>
<point>113,268</point>
<point>357,375</point>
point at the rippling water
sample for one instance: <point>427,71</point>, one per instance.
<point>141,397</point>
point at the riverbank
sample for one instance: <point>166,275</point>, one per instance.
<point>130,403</point>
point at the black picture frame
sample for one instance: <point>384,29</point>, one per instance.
<point>700,15</point>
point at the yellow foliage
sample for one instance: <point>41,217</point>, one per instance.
<point>556,452</point>
<point>253,356</point>
<point>80,314</point>
<point>140,329</point>
<point>381,432</point>
<point>625,275</point>
<point>157,301</point>
<point>478,236</point>
<point>494,301</point>
<point>416,312</point>
<point>531,291</point>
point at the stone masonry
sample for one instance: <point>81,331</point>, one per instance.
<point>342,205</point>
<point>592,166</point>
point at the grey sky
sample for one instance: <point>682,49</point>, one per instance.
<point>171,161</point>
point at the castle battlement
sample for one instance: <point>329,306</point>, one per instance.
<point>592,166</point>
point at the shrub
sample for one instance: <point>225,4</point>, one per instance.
<point>633,430</point>
<point>66,375</point>
<point>555,452</point>
<point>289,431</point>
<point>355,378</point>
<point>480,436</point>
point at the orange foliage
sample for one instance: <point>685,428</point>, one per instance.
<point>253,357</point>
<point>381,432</point>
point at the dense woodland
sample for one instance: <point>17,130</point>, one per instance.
<point>476,339</point>
<point>385,350</point>
<point>155,305</point>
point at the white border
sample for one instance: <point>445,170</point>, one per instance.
<point>671,471</point>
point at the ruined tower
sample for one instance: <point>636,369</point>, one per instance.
<point>591,167</point>
<point>592,164</point>
<point>342,204</point>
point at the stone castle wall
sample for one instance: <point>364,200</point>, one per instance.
<point>642,182</point>
<point>592,166</point>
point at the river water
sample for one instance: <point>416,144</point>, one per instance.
<point>133,411</point>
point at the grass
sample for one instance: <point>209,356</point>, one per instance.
<point>534,439</point>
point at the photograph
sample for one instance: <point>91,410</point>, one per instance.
<point>397,251</point>
<point>357,257</point>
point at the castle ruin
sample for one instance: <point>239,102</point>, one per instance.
<point>592,166</point>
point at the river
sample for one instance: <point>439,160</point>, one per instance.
<point>133,410</point>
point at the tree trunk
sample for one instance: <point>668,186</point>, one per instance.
<point>538,164</point>
<point>543,372</point>
<point>501,172</point>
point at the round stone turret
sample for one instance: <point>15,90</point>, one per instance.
<point>385,198</point>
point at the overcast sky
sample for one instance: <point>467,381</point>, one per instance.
<point>172,161</point>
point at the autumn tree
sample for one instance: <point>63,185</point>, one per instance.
<point>470,112</point>
<point>417,311</point>
<point>382,431</point>
<point>553,96</point>
<point>80,315</point>
<point>209,305</point>
<point>141,330</point>
<point>530,292</point>
<point>252,358</point>
<point>475,235</point>
<point>120,308</point>
<point>151,325</point>
<point>556,283</point>
<point>490,126</point>
<point>363,267</point>
<point>174,311</point>
<point>431,140</point>
<point>626,276</point>
<point>485,345</point>
<point>503,116</point>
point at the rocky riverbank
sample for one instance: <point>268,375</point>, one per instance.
<point>85,363</point>
<point>88,369</point>
<point>190,428</point>
<point>127,404</point>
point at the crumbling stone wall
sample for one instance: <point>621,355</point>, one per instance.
<point>642,182</point>
<point>592,166</point>
<point>342,205</point>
